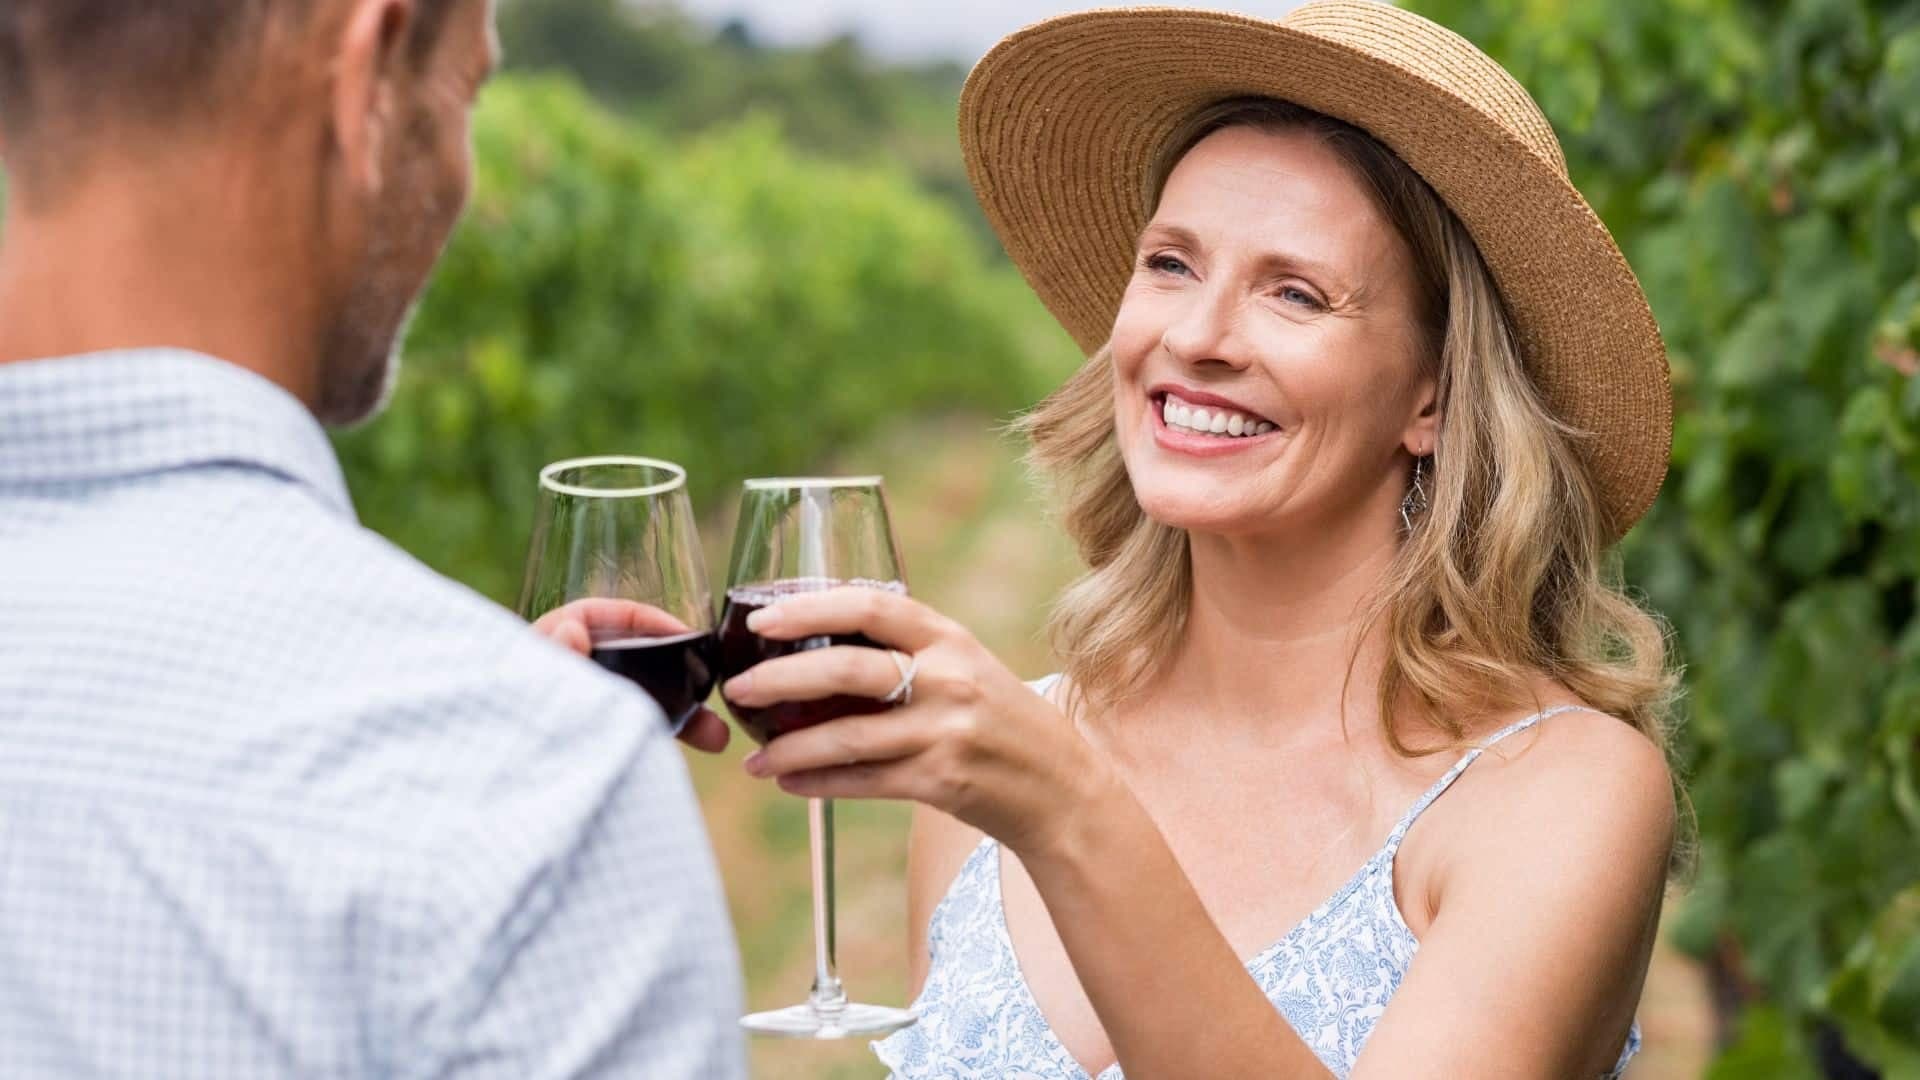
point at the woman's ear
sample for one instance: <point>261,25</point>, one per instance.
<point>1423,430</point>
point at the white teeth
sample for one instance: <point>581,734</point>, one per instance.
<point>1220,422</point>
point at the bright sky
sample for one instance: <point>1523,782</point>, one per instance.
<point>920,28</point>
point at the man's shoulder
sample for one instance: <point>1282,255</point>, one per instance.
<point>448,690</point>
<point>273,589</point>
<point>400,615</point>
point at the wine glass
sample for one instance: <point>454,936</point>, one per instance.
<point>621,529</point>
<point>798,536</point>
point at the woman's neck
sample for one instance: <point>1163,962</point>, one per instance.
<point>1280,630</point>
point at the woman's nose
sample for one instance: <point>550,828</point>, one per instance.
<point>1207,330</point>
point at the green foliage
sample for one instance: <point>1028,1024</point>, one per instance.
<point>650,61</point>
<point>1757,162</point>
<point>722,302</point>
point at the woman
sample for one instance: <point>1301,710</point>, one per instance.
<point>1367,399</point>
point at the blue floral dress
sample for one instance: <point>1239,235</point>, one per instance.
<point>1331,976</point>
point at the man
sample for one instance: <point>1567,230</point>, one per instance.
<point>275,800</point>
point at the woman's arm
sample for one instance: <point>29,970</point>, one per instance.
<point>980,746</point>
<point>1172,996</point>
<point>1531,967</point>
<point>1545,915</point>
<point>1528,969</point>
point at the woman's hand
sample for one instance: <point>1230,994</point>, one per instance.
<point>573,626</point>
<point>975,741</point>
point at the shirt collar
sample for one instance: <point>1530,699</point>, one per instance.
<point>111,415</point>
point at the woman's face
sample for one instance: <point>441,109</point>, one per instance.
<point>1273,305</point>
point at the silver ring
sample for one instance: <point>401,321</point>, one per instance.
<point>909,666</point>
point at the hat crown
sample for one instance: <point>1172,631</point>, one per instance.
<point>1436,54</point>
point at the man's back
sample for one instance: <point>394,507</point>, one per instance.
<point>276,800</point>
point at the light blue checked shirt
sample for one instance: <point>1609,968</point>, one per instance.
<point>275,800</point>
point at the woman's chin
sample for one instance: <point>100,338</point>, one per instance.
<point>1194,512</point>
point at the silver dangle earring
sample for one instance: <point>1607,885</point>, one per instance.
<point>1416,502</point>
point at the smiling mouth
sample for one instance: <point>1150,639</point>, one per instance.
<point>1209,420</point>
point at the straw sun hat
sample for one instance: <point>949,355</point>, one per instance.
<point>1061,122</point>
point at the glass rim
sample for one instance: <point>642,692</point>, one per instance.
<point>677,477</point>
<point>778,483</point>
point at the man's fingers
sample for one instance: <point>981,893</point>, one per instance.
<point>569,633</point>
<point>606,615</point>
<point>578,624</point>
<point>706,731</point>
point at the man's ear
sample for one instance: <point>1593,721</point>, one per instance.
<point>367,69</point>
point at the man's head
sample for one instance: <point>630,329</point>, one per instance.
<point>339,128</point>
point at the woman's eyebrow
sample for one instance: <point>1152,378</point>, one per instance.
<point>1323,273</point>
<point>1162,233</point>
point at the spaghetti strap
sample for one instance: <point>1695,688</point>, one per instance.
<point>1441,785</point>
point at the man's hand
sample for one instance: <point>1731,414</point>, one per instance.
<point>573,626</point>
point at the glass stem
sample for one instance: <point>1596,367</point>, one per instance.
<point>829,999</point>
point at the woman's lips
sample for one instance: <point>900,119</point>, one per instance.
<point>1209,416</point>
<point>1177,426</point>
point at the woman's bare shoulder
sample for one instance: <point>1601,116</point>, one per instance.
<point>1577,787</point>
<point>1579,783</point>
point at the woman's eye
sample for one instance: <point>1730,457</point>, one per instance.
<point>1294,295</point>
<point>1166,264</point>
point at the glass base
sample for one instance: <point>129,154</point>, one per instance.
<point>847,1021</point>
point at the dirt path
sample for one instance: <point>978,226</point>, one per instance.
<point>979,549</point>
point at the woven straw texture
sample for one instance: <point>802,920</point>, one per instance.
<point>1061,121</point>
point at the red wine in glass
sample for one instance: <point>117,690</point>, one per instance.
<point>677,671</point>
<point>741,648</point>
<point>797,535</point>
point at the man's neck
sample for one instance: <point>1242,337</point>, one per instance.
<point>141,259</point>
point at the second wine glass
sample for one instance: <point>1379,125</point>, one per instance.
<point>798,536</point>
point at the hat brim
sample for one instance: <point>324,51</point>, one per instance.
<point>1060,123</point>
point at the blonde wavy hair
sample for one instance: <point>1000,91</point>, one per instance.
<point>1504,577</point>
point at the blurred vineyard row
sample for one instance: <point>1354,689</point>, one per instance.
<point>1760,163</point>
<point>718,300</point>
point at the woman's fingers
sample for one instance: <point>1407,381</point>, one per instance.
<point>887,617</point>
<point>868,780</point>
<point>849,740</point>
<point>815,674</point>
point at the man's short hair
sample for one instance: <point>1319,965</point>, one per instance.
<point>78,61</point>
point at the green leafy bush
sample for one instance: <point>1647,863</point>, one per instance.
<point>1758,163</point>
<point>721,302</point>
